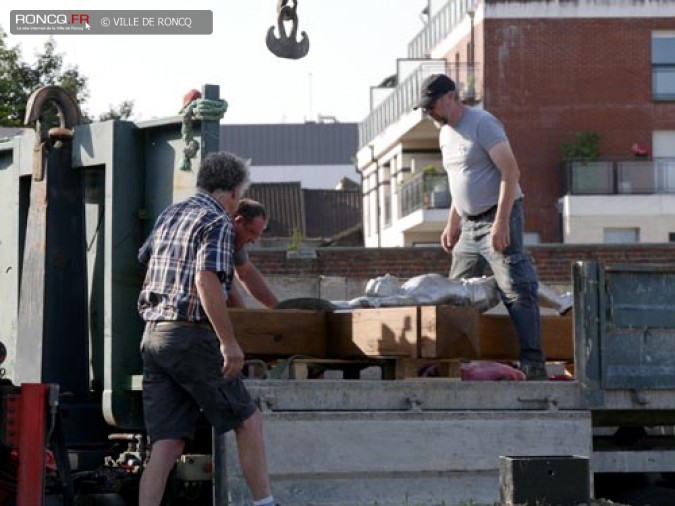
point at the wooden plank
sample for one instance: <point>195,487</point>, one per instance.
<point>453,332</point>
<point>498,338</point>
<point>388,331</point>
<point>299,368</point>
<point>280,332</point>
<point>449,331</point>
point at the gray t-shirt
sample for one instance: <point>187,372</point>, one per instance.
<point>473,178</point>
<point>240,256</point>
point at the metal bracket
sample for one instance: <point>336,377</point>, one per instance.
<point>266,403</point>
<point>415,403</point>
<point>640,397</point>
<point>550,401</point>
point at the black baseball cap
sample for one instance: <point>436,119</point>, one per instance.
<point>433,88</point>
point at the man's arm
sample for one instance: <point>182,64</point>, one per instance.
<point>213,300</point>
<point>452,230</point>
<point>234,298</point>
<point>250,277</point>
<point>504,159</point>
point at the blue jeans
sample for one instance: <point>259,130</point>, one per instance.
<point>513,272</point>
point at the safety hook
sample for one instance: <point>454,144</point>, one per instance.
<point>286,46</point>
<point>69,116</point>
<point>66,106</point>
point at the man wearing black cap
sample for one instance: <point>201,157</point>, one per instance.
<point>485,223</point>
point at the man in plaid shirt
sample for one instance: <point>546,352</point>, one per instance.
<point>191,358</point>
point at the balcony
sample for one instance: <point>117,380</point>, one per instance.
<point>423,191</point>
<point>467,77</point>
<point>619,177</point>
<point>439,27</point>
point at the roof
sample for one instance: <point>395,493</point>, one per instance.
<point>292,144</point>
<point>316,214</point>
<point>284,205</point>
<point>329,212</point>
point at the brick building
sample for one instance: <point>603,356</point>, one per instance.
<point>550,70</point>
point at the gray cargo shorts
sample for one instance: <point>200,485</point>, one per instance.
<point>182,375</point>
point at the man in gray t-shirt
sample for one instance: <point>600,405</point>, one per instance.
<point>250,221</point>
<point>485,222</point>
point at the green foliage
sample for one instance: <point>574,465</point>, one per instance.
<point>18,80</point>
<point>13,93</point>
<point>586,146</point>
<point>431,169</point>
<point>123,111</point>
<point>296,240</point>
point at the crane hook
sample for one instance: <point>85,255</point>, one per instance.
<point>286,46</point>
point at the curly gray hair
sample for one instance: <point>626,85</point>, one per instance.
<point>223,171</point>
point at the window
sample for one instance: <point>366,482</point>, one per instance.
<point>671,237</point>
<point>621,235</point>
<point>663,65</point>
<point>531,238</point>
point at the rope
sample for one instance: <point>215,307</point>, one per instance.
<point>200,109</point>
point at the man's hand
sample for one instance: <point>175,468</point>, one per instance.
<point>213,300</point>
<point>500,235</point>
<point>234,359</point>
<point>450,236</point>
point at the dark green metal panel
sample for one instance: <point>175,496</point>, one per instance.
<point>625,327</point>
<point>640,296</point>
<point>9,249</point>
<point>144,178</point>
<point>638,343</point>
<point>587,327</point>
<point>130,173</point>
<point>122,276</point>
<point>52,343</point>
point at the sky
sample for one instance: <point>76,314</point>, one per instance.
<point>354,45</point>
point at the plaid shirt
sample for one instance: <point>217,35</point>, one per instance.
<point>194,235</point>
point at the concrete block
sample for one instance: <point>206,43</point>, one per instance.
<point>554,480</point>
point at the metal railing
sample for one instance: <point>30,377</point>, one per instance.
<point>439,26</point>
<point>620,177</point>
<point>467,77</point>
<point>423,191</point>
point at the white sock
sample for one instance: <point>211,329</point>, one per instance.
<point>267,501</point>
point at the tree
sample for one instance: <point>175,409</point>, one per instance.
<point>123,111</point>
<point>18,80</point>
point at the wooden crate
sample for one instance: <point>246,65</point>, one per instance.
<point>448,331</point>
<point>440,332</point>
<point>280,332</point>
<point>391,331</point>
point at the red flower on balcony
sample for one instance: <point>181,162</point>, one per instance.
<point>640,150</point>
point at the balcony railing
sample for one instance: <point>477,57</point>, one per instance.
<point>613,177</point>
<point>423,191</point>
<point>438,27</point>
<point>466,76</point>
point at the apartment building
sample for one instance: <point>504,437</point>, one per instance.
<point>557,73</point>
